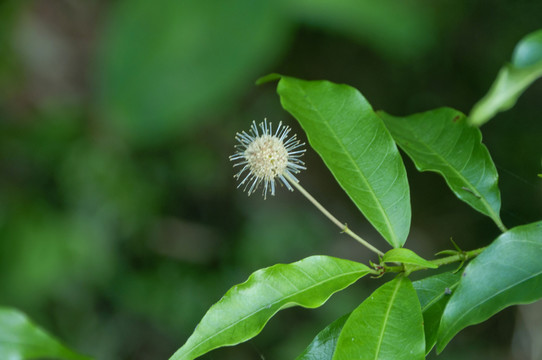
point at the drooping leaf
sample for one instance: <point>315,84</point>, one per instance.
<point>434,293</point>
<point>324,344</point>
<point>387,325</point>
<point>407,256</point>
<point>513,79</point>
<point>441,141</point>
<point>508,272</point>
<point>245,309</point>
<point>355,145</point>
<point>164,65</point>
<point>21,339</point>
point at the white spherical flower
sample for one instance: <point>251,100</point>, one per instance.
<point>266,156</point>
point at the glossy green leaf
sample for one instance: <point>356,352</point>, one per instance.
<point>407,256</point>
<point>22,339</point>
<point>513,79</point>
<point>434,293</point>
<point>355,145</point>
<point>441,141</point>
<point>324,344</point>
<point>387,325</point>
<point>508,272</point>
<point>164,65</point>
<point>245,309</point>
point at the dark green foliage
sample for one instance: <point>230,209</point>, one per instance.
<point>119,221</point>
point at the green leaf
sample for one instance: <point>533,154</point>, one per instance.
<point>407,256</point>
<point>355,145</point>
<point>396,29</point>
<point>528,51</point>
<point>434,293</point>
<point>508,272</point>
<point>387,325</point>
<point>513,79</point>
<point>245,309</point>
<point>441,141</point>
<point>22,339</point>
<point>324,344</point>
<point>165,65</point>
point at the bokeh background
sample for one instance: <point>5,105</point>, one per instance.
<point>120,222</point>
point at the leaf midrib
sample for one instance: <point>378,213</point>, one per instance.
<point>269,306</point>
<point>386,318</point>
<point>486,205</point>
<point>485,300</point>
<point>383,212</point>
<point>438,297</point>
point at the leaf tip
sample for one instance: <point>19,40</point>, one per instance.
<point>268,78</point>
<point>528,51</point>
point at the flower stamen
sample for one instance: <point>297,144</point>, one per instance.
<point>267,156</point>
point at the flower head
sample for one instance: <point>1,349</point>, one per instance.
<point>266,156</point>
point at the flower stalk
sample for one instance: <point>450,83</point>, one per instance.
<point>267,157</point>
<point>344,228</point>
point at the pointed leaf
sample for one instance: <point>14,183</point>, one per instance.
<point>407,256</point>
<point>508,272</point>
<point>355,145</point>
<point>245,309</point>
<point>434,293</point>
<point>324,344</point>
<point>441,141</point>
<point>387,325</point>
<point>513,79</point>
<point>22,339</point>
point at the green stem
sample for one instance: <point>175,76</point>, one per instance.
<point>341,226</point>
<point>500,224</point>
<point>462,256</point>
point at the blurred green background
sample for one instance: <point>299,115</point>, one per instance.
<point>120,222</point>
